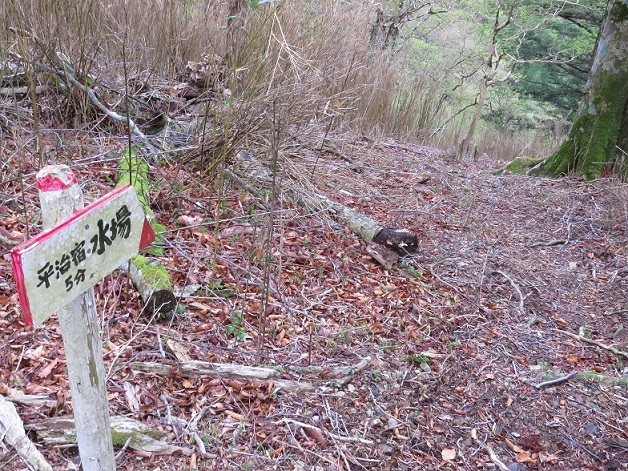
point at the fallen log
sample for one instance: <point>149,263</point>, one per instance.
<point>152,281</point>
<point>325,377</point>
<point>124,432</point>
<point>31,400</point>
<point>202,368</point>
<point>149,277</point>
<point>382,240</point>
<point>399,240</point>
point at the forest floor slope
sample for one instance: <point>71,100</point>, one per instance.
<point>451,343</point>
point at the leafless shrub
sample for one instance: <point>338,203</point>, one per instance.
<point>312,61</point>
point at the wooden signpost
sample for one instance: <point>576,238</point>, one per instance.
<point>55,272</point>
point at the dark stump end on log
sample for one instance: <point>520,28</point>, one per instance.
<point>161,304</point>
<point>401,241</point>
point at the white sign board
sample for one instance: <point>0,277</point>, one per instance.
<point>63,262</point>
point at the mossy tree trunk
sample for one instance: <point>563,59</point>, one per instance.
<point>599,135</point>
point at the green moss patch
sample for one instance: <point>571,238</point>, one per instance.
<point>154,274</point>
<point>521,165</point>
<point>134,171</point>
<point>594,134</point>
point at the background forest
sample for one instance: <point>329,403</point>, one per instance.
<point>404,68</point>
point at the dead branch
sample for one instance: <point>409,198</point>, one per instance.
<point>516,288</point>
<point>123,449</point>
<point>12,432</point>
<point>8,242</point>
<point>549,244</point>
<point>201,447</point>
<point>190,368</point>
<point>63,67</point>
<point>333,436</point>
<point>494,458</point>
<point>61,431</point>
<point>581,446</point>
<point>193,431</point>
<point>244,185</point>
<point>345,374</point>
<point>332,149</point>
<point>15,91</point>
<point>554,382</point>
<point>194,367</point>
<point>594,342</point>
<point>94,99</point>
<point>351,371</point>
<point>221,370</point>
<point>33,400</point>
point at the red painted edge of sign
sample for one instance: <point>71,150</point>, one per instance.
<point>148,235</point>
<point>16,261</point>
<point>50,183</point>
<point>66,222</point>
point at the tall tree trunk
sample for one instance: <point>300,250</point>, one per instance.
<point>465,145</point>
<point>599,134</point>
<point>489,72</point>
<point>621,161</point>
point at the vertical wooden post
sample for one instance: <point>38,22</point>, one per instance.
<point>60,196</point>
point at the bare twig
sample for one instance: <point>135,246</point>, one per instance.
<point>621,311</point>
<point>333,436</point>
<point>580,445</point>
<point>494,458</point>
<point>32,400</point>
<point>169,417</point>
<point>122,450</point>
<point>516,288</point>
<point>549,244</point>
<point>594,342</point>
<point>554,382</point>
<point>8,242</point>
<point>201,447</point>
<point>12,433</point>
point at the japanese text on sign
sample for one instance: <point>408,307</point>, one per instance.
<point>58,265</point>
<point>120,226</point>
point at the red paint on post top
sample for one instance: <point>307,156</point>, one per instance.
<point>55,178</point>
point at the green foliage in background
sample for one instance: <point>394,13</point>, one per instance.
<point>567,39</point>
<point>544,59</point>
<point>403,68</point>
